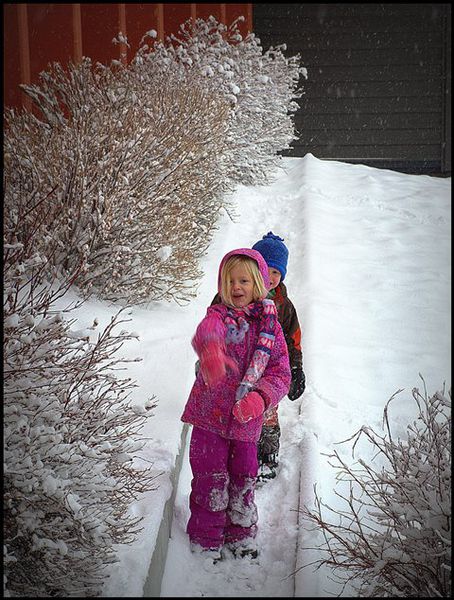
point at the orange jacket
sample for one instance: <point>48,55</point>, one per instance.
<point>290,325</point>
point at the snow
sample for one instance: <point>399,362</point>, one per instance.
<point>164,253</point>
<point>369,273</point>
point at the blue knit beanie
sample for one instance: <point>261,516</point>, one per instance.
<point>274,251</point>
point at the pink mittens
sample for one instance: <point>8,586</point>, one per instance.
<point>214,363</point>
<point>249,407</point>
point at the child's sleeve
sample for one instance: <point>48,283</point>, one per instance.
<point>210,329</point>
<point>292,330</point>
<point>275,381</point>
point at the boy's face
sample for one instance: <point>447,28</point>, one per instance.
<point>275,277</point>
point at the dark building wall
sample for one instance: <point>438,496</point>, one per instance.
<point>378,87</point>
<point>379,74</point>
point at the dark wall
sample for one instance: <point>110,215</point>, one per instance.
<point>378,87</point>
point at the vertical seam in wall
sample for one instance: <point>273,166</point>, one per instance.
<point>122,25</point>
<point>24,51</point>
<point>77,33</point>
<point>249,17</point>
<point>160,18</point>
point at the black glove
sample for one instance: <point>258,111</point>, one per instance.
<point>298,384</point>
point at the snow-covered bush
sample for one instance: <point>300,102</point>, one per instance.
<point>126,176</point>
<point>71,436</point>
<point>128,166</point>
<point>261,88</point>
<point>394,537</point>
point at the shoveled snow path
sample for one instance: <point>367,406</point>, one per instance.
<point>277,503</point>
<point>277,500</point>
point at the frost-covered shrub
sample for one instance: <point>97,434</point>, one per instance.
<point>71,438</point>
<point>394,537</point>
<point>261,88</point>
<point>127,167</point>
<point>126,176</point>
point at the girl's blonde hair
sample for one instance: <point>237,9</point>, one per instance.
<point>259,290</point>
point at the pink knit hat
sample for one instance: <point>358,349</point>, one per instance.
<point>263,267</point>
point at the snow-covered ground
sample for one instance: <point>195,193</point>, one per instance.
<point>369,273</point>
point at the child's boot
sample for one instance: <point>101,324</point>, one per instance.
<point>267,468</point>
<point>213,554</point>
<point>244,549</point>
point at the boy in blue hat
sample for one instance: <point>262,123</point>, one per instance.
<point>275,253</point>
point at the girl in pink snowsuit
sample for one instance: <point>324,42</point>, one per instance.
<point>244,370</point>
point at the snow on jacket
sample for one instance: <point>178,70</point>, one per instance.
<point>211,407</point>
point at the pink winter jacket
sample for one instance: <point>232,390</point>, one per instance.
<point>211,408</point>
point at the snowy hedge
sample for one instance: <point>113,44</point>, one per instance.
<point>70,435</point>
<point>394,537</point>
<point>125,175</point>
<point>129,166</point>
<point>260,86</point>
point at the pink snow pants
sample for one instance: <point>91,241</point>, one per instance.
<point>222,490</point>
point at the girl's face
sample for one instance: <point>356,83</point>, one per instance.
<point>241,286</point>
<point>275,277</point>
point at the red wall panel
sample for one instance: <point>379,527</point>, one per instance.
<point>62,32</point>
<point>12,96</point>
<point>174,15</point>
<point>203,11</point>
<point>233,11</point>
<point>50,35</point>
<point>100,24</point>
<point>140,18</point>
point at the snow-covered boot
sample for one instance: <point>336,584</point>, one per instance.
<point>267,468</point>
<point>266,472</point>
<point>244,549</point>
<point>214,555</point>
